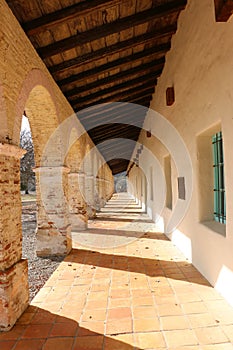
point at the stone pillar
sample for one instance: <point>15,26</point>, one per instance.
<point>101,183</point>
<point>77,204</point>
<point>14,294</point>
<point>53,227</point>
<point>89,196</point>
<point>96,193</point>
<point>96,165</point>
<point>102,190</point>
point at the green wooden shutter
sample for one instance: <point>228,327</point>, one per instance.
<point>219,185</point>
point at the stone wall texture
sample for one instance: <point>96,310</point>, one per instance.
<point>27,86</point>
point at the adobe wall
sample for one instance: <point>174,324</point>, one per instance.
<point>199,67</point>
<point>26,85</point>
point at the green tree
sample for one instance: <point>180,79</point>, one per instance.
<point>27,176</point>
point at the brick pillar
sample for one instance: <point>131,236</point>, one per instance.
<point>53,227</point>
<point>77,204</point>
<point>14,294</point>
<point>89,196</point>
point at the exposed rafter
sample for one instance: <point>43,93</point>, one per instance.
<point>124,76</point>
<point>118,112</point>
<point>105,51</point>
<point>106,68</point>
<point>106,110</point>
<point>117,48</point>
<point>150,79</point>
<point>122,96</point>
<point>131,82</point>
<point>223,10</point>
<point>111,28</point>
<point>60,16</point>
<point>139,95</point>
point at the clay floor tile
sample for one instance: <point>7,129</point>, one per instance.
<point>88,343</point>
<point>152,340</point>
<point>26,344</point>
<point>58,344</point>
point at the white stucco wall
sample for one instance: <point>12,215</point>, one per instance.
<point>199,66</point>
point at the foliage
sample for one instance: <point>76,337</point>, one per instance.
<point>27,163</point>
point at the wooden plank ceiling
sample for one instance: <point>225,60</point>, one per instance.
<point>103,51</point>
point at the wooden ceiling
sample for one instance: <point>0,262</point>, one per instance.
<point>102,51</point>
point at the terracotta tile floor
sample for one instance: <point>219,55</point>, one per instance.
<point>140,295</point>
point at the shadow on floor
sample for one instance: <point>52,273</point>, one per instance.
<point>178,270</point>
<point>122,219</point>
<point>118,233</point>
<point>39,329</point>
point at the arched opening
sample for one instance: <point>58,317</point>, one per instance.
<point>38,124</point>
<point>76,180</point>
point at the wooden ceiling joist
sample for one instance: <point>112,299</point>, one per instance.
<point>111,28</point>
<point>120,97</point>
<point>142,101</point>
<point>154,35</point>
<point>120,118</point>
<point>118,88</point>
<point>105,51</point>
<point>107,110</point>
<point>106,68</point>
<point>55,18</point>
<point>125,75</point>
<point>117,131</point>
<point>136,97</point>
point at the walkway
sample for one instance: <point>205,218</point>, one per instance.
<point>142,295</point>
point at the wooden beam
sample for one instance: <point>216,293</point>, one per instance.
<point>145,79</point>
<point>116,48</point>
<point>111,28</point>
<point>127,115</point>
<point>104,132</point>
<point>223,10</point>
<point>116,169</point>
<point>49,20</point>
<point>106,111</point>
<point>119,97</point>
<point>122,76</point>
<point>143,101</point>
<point>140,95</point>
<point>106,68</point>
<point>121,117</point>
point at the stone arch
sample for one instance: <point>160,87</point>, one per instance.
<point>37,99</point>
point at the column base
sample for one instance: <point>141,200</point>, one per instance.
<point>91,212</point>
<point>78,222</point>
<point>53,243</point>
<point>14,294</point>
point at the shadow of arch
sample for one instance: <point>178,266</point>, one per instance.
<point>64,330</point>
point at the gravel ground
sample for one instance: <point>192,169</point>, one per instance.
<point>39,269</point>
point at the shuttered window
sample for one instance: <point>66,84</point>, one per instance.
<point>219,185</point>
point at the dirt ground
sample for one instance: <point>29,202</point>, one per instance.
<point>39,269</point>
